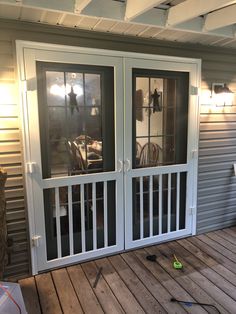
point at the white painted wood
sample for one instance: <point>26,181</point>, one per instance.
<point>70,214</point>
<point>57,53</point>
<point>160,204</point>
<point>177,200</point>
<point>58,222</point>
<point>161,60</point>
<point>82,208</point>
<point>94,209</point>
<point>88,178</point>
<point>137,7</point>
<point>150,206</point>
<point>220,18</point>
<point>80,5</point>
<point>190,167</point>
<point>169,203</point>
<point>159,238</point>
<point>190,9</point>
<point>159,170</point>
<point>141,206</point>
<point>28,61</point>
<point>113,11</point>
<point>105,214</point>
<point>26,148</point>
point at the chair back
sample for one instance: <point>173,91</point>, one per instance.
<point>150,154</point>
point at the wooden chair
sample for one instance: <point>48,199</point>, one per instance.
<point>150,154</point>
<point>138,149</point>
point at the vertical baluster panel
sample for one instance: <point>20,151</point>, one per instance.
<point>58,222</point>
<point>94,207</point>
<point>141,206</point>
<point>105,214</point>
<point>150,206</point>
<point>177,200</point>
<point>169,203</point>
<point>82,217</point>
<point>70,213</point>
<point>160,204</point>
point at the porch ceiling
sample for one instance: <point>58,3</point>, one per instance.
<point>210,22</point>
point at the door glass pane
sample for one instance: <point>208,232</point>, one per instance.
<point>160,111</point>
<point>76,116</point>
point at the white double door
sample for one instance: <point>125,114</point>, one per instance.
<point>84,202</point>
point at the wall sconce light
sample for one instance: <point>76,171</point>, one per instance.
<point>222,95</point>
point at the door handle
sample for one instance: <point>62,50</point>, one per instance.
<point>127,165</point>
<point>119,165</point>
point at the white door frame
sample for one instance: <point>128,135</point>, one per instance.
<point>42,48</point>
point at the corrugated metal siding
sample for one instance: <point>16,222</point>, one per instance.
<point>11,160</point>
<point>216,186</point>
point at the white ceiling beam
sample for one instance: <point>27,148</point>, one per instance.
<point>106,9</point>
<point>138,7</point>
<point>80,5</point>
<point>115,10</point>
<point>190,9</point>
<point>220,18</point>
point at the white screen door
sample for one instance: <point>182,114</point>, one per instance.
<point>74,112</point>
<point>110,146</point>
<point>161,152</point>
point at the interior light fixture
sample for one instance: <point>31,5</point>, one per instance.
<point>222,95</point>
<point>62,90</point>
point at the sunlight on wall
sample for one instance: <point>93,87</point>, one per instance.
<point>7,94</point>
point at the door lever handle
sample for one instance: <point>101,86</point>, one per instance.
<point>119,165</point>
<point>127,165</point>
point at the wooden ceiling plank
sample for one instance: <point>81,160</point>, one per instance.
<point>135,8</point>
<point>220,18</point>
<point>80,5</point>
<point>190,9</point>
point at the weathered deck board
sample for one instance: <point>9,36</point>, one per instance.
<point>118,287</point>
<point>209,261</point>
<point>151,280</point>
<point>30,294</point>
<point>213,284</point>
<point>146,299</point>
<point>84,291</point>
<point>103,292</point>
<point>180,286</point>
<point>65,291</point>
<point>130,283</point>
<point>47,295</point>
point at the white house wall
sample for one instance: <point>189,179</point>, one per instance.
<point>216,183</point>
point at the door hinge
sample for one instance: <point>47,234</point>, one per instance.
<point>193,90</point>
<point>30,167</point>
<point>36,240</point>
<point>192,211</point>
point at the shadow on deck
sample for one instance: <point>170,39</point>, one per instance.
<point>130,283</point>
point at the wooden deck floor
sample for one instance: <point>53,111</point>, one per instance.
<point>131,284</point>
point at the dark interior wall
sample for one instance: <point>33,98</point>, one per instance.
<point>216,184</point>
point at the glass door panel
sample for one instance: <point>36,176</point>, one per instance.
<point>76,116</point>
